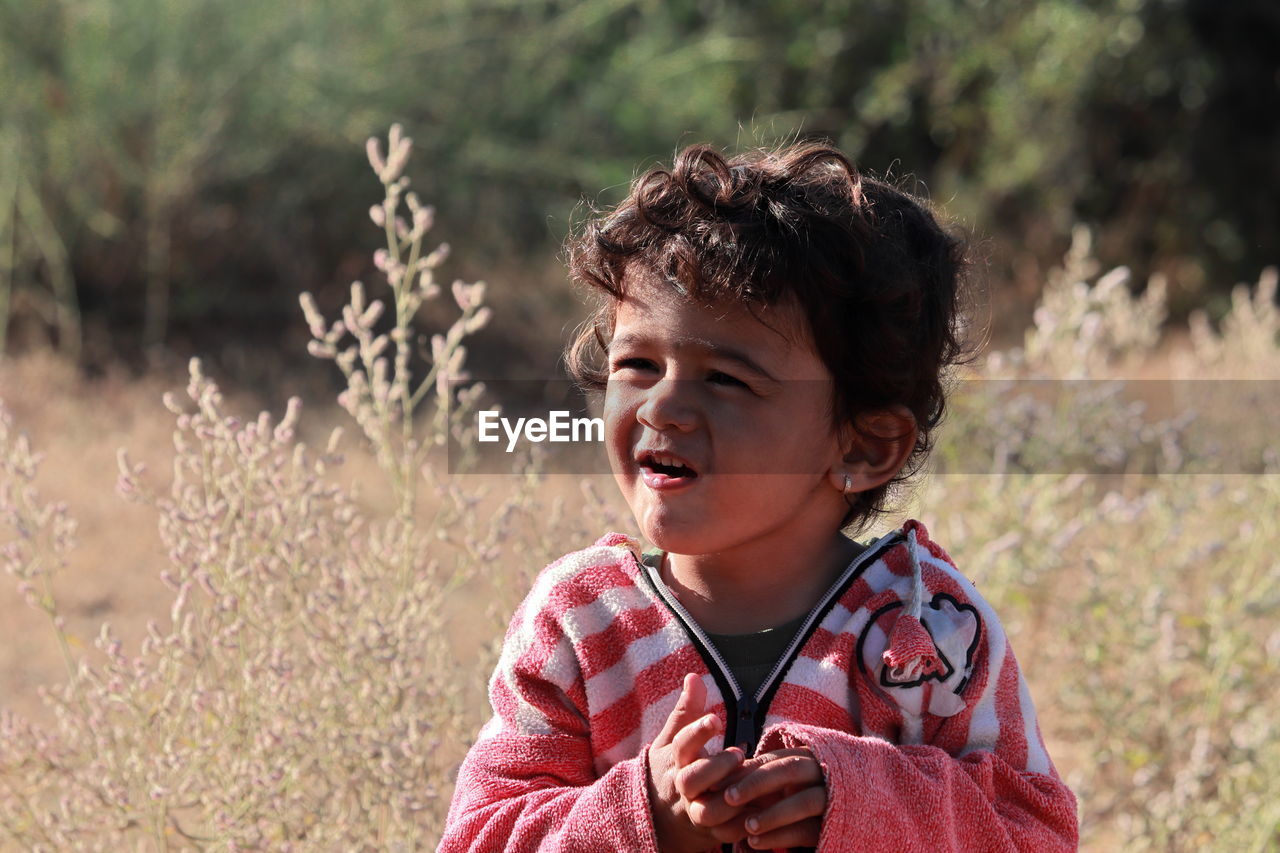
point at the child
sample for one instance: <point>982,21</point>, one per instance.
<point>775,331</point>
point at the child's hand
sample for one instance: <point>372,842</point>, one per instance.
<point>689,813</point>
<point>789,795</point>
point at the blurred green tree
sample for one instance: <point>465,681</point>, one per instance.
<point>178,168</point>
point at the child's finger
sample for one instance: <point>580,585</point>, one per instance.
<point>698,777</point>
<point>792,768</point>
<point>799,807</point>
<point>690,705</point>
<point>690,740</point>
<point>805,833</point>
<point>743,771</point>
<point>713,813</point>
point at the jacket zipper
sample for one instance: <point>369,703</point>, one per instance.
<point>745,714</point>
<point>709,652</point>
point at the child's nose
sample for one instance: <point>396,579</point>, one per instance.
<point>668,403</point>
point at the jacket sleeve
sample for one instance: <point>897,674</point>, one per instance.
<point>529,783</point>
<point>975,779</point>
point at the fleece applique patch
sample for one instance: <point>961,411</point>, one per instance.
<point>954,629</point>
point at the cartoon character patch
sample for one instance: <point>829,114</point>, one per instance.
<point>922,665</point>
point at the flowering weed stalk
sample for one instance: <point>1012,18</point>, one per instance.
<point>303,693</point>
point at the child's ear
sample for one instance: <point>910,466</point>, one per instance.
<point>876,450</point>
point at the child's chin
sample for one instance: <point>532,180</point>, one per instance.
<point>678,538</point>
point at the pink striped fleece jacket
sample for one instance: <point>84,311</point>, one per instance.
<point>928,739</point>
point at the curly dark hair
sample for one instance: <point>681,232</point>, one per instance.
<point>879,281</point>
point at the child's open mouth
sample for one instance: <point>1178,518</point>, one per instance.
<point>662,470</point>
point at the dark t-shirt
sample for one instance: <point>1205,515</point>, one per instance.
<point>752,656</point>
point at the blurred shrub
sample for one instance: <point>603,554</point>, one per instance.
<point>1147,605</point>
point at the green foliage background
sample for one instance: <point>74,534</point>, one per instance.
<point>173,172</point>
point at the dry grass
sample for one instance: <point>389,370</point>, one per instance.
<point>79,424</point>
<point>317,655</point>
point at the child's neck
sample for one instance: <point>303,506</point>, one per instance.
<point>737,593</point>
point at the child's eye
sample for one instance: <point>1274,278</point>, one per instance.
<point>725,379</point>
<point>634,363</point>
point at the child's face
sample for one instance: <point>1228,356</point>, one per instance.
<point>759,443</point>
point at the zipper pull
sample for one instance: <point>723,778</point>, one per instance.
<point>745,730</point>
